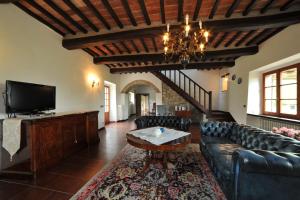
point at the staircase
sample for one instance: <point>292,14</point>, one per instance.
<point>221,116</point>
<point>193,93</point>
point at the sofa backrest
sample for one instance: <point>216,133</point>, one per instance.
<point>216,129</point>
<point>165,121</point>
<point>254,138</point>
<point>237,131</point>
<point>250,137</point>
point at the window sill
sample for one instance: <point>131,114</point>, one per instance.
<point>276,118</point>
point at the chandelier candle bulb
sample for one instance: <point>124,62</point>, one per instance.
<point>201,47</point>
<point>168,27</point>
<point>187,19</point>
<point>187,29</point>
<point>200,24</point>
<point>206,34</point>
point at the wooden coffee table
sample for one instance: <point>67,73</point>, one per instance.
<point>152,149</point>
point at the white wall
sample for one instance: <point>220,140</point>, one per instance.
<point>282,45</point>
<point>31,52</point>
<point>209,80</point>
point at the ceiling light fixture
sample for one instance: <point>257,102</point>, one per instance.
<point>185,44</point>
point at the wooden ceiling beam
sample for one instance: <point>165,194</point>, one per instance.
<point>258,37</point>
<point>213,37</point>
<point>39,18</point>
<point>233,38</point>
<point>270,35</point>
<point>8,1</point>
<point>112,13</point>
<point>81,15</point>
<point>91,52</point>
<point>214,9</point>
<point>128,12</point>
<point>99,49</point>
<point>67,17</point>
<point>144,44</point>
<point>221,39</point>
<point>180,10</point>
<point>125,47</point>
<point>233,6</point>
<point>249,7</point>
<point>144,11</point>
<point>117,47</point>
<point>159,56</point>
<point>154,44</point>
<point>151,68</point>
<point>197,9</point>
<point>97,13</point>
<point>277,20</point>
<point>287,5</point>
<point>50,16</point>
<point>244,38</point>
<point>108,49</point>
<point>267,6</point>
<point>134,46</point>
<point>162,11</point>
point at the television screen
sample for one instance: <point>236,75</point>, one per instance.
<point>28,97</point>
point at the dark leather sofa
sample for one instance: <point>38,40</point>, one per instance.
<point>251,163</point>
<point>166,121</point>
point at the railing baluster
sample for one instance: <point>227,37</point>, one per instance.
<point>179,79</point>
<point>190,87</point>
<point>204,100</point>
<point>200,96</point>
<point>184,82</point>
<point>175,77</point>
<point>210,100</point>
<point>194,91</point>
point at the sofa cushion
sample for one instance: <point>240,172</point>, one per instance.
<point>214,140</point>
<point>223,163</point>
<point>216,149</point>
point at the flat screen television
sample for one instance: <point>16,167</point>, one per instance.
<point>28,97</point>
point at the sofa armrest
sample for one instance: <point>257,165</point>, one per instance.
<point>185,124</point>
<point>268,162</point>
<point>259,174</point>
<point>141,123</point>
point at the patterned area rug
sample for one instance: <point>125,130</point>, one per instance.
<point>188,177</point>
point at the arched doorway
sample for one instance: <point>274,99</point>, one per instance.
<point>142,96</point>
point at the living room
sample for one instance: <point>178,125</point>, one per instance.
<point>114,67</point>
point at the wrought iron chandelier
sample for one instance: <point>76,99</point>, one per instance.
<point>184,43</point>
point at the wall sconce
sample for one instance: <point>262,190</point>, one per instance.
<point>94,82</point>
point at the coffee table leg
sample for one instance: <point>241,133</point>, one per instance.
<point>146,161</point>
<point>165,160</point>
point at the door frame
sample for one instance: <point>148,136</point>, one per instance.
<point>106,104</point>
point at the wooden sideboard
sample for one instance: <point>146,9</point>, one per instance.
<point>51,139</point>
<point>184,113</point>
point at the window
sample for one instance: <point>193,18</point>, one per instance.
<point>106,98</point>
<point>224,82</point>
<point>281,92</point>
<point>270,93</point>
